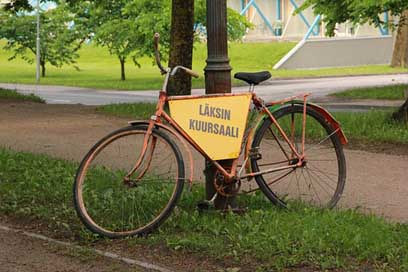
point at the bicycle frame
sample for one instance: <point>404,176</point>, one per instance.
<point>249,141</point>
<point>175,128</point>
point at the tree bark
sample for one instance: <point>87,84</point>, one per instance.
<point>122,69</point>
<point>400,59</point>
<point>42,68</point>
<point>400,54</point>
<point>402,114</point>
<point>181,45</point>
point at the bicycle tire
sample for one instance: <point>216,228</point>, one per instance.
<point>314,179</point>
<point>155,193</point>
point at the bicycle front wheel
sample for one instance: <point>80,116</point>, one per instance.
<point>110,203</point>
<point>320,181</point>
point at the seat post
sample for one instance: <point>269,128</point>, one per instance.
<point>251,88</point>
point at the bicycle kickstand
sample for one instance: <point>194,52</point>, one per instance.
<point>207,204</point>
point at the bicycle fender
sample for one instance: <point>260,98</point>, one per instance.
<point>327,115</point>
<point>174,133</point>
<point>332,121</point>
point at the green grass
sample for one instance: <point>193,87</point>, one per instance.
<point>39,187</point>
<point>382,93</point>
<point>138,110</point>
<point>11,94</point>
<point>100,70</point>
<point>374,127</point>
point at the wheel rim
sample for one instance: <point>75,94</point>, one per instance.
<point>113,207</point>
<point>320,181</point>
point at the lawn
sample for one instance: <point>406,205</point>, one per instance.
<point>374,127</point>
<point>13,95</point>
<point>396,92</point>
<point>100,70</point>
<point>36,186</point>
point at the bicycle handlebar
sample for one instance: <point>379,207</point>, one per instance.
<point>191,72</point>
<point>156,40</point>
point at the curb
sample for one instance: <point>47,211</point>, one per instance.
<point>107,254</point>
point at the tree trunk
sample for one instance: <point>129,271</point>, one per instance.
<point>42,63</point>
<point>400,59</point>
<point>402,114</point>
<point>122,69</point>
<point>181,45</point>
<point>400,54</point>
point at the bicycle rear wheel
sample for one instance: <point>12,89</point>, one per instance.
<point>112,206</point>
<point>320,182</point>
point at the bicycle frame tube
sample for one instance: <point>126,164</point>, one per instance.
<point>233,172</point>
<point>174,124</point>
<point>161,114</point>
<point>283,134</point>
<point>142,154</point>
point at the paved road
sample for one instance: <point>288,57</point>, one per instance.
<point>274,89</point>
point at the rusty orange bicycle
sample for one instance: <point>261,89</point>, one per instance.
<point>130,181</point>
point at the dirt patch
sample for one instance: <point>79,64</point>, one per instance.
<point>129,248</point>
<point>64,131</point>
<point>22,253</point>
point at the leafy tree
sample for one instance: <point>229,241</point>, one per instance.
<point>369,11</point>
<point>126,28</point>
<point>61,37</point>
<point>237,25</point>
<point>365,11</point>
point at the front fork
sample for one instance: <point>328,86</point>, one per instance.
<point>145,157</point>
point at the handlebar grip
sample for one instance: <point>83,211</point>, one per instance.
<point>192,73</point>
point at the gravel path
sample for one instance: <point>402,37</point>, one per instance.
<point>272,89</point>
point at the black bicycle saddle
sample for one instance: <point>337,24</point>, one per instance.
<point>253,78</point>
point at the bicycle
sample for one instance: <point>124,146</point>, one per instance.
<point>130,181</point>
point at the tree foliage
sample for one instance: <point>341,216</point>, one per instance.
<point>61,37</point>
<point>125,27</point>
<point>356,11</point>
<point>237,24</point>
<point>17,5</point>
<point>370,11</point>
